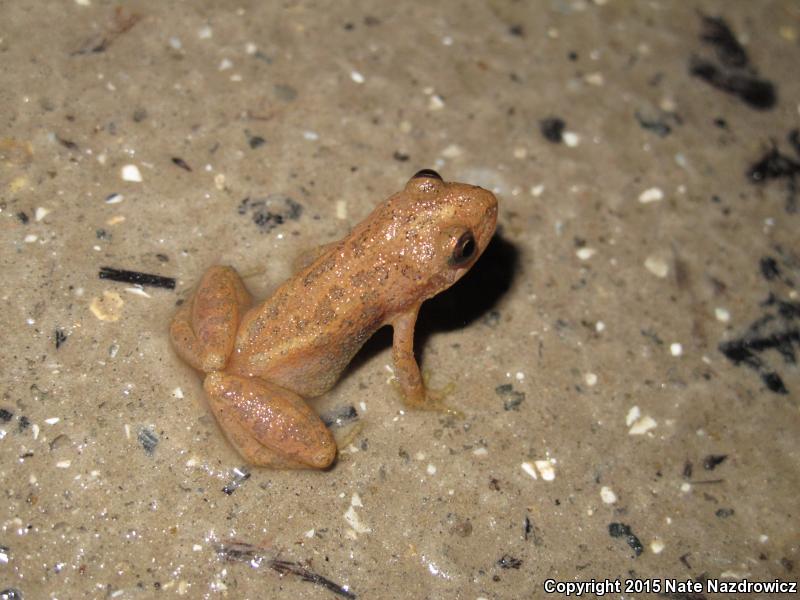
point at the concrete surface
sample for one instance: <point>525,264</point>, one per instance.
<point>624,355</point>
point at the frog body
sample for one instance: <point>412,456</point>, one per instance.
<point>262,360</point>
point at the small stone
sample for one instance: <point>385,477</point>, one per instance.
<point>131,173</point>
<point>652,194</point>
<point>657,266</point>
<point>607,495</point>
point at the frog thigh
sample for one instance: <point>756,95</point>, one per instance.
<point>269,425</point>
<point>204,329</point>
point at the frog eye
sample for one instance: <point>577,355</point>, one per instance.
<point>427,173</point>
<point>464,250</point>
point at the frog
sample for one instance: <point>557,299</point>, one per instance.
<point>261,362</point>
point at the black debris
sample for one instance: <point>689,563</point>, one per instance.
<point>23,217</point>
<point>137,277</point>
<point>5,415</point>
<point>511,397</point>
<point>517,30</point>
<point>60,337</point>
<point>68,144</point>
<point>24,423</point>
<point>509,562</point>
<point>729,51</point>
<point>340,416</point>
<point>527,527</point>
<point>624,531</point>
<point>400,156</point>
<point>778,329</point>
<point>255,556</point>
<point>724,513</point>
<point>240,475</point>
<point>712,461</point>
<point>179,162</point>
<point>769,268</point>
<point>657,123</point>
<point>552,129</point>
<point>775,165</point>
<point>733,74</point>
<point>255,141</point>
<point>687,469</point>
<point>756,93</point>
<point>148,439</point>
<point>270,211</point>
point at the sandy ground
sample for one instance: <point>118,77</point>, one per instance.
<point>623,356</point>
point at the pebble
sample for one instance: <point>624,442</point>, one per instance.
<point>607,495</point>
<point>131,173</point>
<point>657,266</point>
<point>650,195</point>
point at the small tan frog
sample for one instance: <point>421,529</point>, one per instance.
<point>260,361</point>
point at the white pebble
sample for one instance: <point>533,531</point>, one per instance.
<point>52,420</point>
<point>114,198</point>
<point>63,464</point>
<point>480,451</point>
<point>599,327</point>
<point>131,173</point>
<point>571,138</point>
<point>311,136</point>
<point>529,469</point>
<point>643,425</point>
<point>431,469</point>
<point>546,469</point>
<point>205,33</point>
<point>436,102</point>
<point>341,209</point>
<point>656,546</point>
<point>633,414</point>
<point>225,64</point>
<point>595,79</point>
<point>585,253</point>
<point>41,212</point>
<point>657,266</point>
<point>607,494</point>
<point>722,314</point>
<point>537,190</point>
<point>357,77</point>
<point>590,379</point>
<point>177,393</point>
<point>30,238</point>
<point>652,194</point>
<point>676,349</point>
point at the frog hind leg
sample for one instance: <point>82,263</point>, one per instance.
<point>269,425</point>
<point>204,329</point>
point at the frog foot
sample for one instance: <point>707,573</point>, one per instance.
<point>430,398</point>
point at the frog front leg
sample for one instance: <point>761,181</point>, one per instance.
<point>406,369</point>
